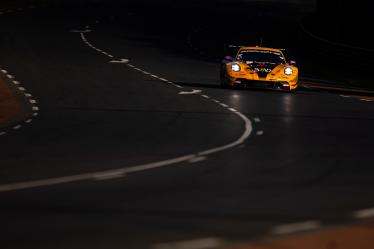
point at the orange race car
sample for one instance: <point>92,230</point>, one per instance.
<point>259,67</point>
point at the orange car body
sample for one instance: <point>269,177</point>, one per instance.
<point>259,67</point>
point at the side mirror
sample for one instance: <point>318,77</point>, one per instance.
<point>229,58</point>
<point>293,62</point>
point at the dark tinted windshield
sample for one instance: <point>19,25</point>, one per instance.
<point>251,56</point>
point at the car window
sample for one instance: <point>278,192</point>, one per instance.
<point>251,56</point>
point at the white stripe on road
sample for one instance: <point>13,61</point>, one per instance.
<point>296,227</point>
<point>365,213</point>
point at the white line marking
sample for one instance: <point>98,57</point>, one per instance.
<point>197,159</point>
<point>367,100</point>
<point>29,95</point>
<point>81,31</point>
<point>345,96</point>
<point>224,105</point>
<point>2,133</point>
<point>28,121</point>
<point>35,114</point>
<point>205,96</point>
<point>257,120</point>
<point>91,176</point>
<point>365,213</point>
<point>164,79</point>
<point>17,127</point>
<point>35,108</point>
<point>154,76</point>
<point>4,71</point>
<point>233,110</point>
<point>32,101</point>
<point>10,76</point>
<point>16,82</point>
<point>22,88</point>
<point>247,132</point>
<point>204,243</point>
<point>110,175</point>
<point>123,61</point>
<point>260,133</point>
<point>296,227</point>
<point>192,92</point>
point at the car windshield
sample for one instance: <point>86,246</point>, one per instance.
<point>251,56</point>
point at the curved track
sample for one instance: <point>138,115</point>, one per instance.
<point>303,158</point>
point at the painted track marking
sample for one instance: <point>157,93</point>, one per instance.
<point>296,227</point>
<point>33,102</point>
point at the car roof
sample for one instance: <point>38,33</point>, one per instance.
<point>262,49</point>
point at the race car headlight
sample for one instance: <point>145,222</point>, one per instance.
<point>288,71</point>
<point>235,67</point>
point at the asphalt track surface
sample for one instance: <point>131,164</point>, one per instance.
<point>307,157</point>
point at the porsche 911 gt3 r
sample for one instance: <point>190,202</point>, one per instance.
<point>259,67</point>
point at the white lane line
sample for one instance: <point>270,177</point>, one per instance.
<point>29,95</point>
<point>15,82</point>
<point>197,159</point>
<point>163,79</point>
<point>233,110</point>
<point>203,243</point>
<point>177,86</point>
<point>205,96</point>
<point>296,227</point>
<point>32,101</point>
<point>4,71</point>
<point>260,133</point>
<point>188,93</point>
<point>247,132</point>
<point>35,108</point>
<point>345,96</point>
<point>257,120</point>
<point>224,105</point>
<point>17,127</point>
<point>35,114</point>
<point>123,61</point>
<point>3,133</point>
<point>81,31</point>
<point>28,121</point>
<point>91,176</point>
<point>10,76</point>
<point>22,88</point>
<point>110,175</point>
<point>364,213</point>
<point>367,100</point>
